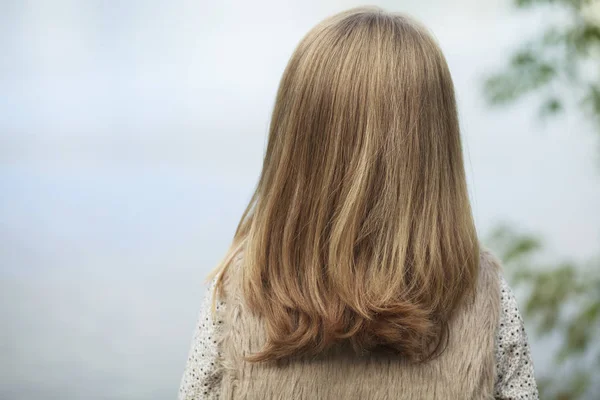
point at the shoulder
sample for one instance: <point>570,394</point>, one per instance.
<point>490,273</point>
<point>202,372</point>
<point>514,366</point>
<point>489,263</point>
<point>485,302</point>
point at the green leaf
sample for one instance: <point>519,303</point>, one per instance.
<point>551,106</point>
<point>523,58</point>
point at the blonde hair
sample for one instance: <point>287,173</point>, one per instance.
<point>360,229</point>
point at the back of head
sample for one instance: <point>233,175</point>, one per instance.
<point>360,228</point>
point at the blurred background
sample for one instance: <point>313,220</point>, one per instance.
<point>132,135</point>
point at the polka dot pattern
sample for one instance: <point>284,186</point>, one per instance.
<point>514,380</point>
<point>201,378</point>
<point>514,367</point>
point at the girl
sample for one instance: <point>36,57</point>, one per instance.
<point>356,271</point>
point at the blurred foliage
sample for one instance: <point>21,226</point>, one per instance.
<point>564,302</point>
<point>565,56</point>
<point>563,298</point>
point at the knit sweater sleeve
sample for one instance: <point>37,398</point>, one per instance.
<point>201,377</point>
<point>514,367</point>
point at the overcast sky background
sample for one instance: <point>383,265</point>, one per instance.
<point>131,137</point>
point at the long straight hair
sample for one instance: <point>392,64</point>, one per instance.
<point>360,229</point>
